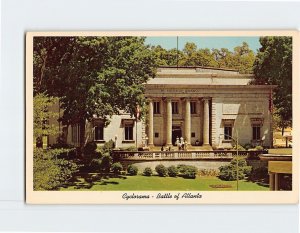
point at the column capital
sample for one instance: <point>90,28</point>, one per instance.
<point>205,99</point>
<point>150,99</point>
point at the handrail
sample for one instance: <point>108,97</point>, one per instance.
<point>177,155</point>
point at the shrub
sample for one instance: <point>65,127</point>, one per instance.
<point>67,151</point>
<point>259,148</point>
<point>229,172</point>
<point>248,146</point>
<point>106,163</point>
<point>147,171</point>
<point>190,172</point>
<point>259,174</point>
<point>132,170</point>
<point>117,168</point>
<point>49,172</point>
<point>187,171</point>
<point>181,168</point>
<point>95,165</point>
<point>161,170</point>
<point>108,146</point>
<point>172,171</point>
<point>90,149</point>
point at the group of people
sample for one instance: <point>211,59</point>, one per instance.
<point>180,143</point>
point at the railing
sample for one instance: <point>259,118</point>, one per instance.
<point>182,155</point>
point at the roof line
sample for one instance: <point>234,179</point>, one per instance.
<point>202,67</point>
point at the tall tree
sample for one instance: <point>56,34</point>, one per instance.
<point>273,65</point>
<point>93,76</point>
<point>41,117</point>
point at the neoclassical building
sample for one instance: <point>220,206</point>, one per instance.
<point>207,107</point>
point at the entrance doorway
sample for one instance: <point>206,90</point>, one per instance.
<point>176,132</point>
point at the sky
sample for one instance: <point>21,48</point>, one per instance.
<point>169,42</point>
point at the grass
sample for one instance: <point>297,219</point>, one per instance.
<point>282,151</point>
<point>156,183</point>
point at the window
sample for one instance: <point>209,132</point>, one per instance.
<point>156,135</point>
<point>193,107</point>
<point>156,106</point>
<point>99,133</point>
<point>193,134</point>
<point>174,107</point>
<point>256,132</point>
<point>227,131</point>
<point>128,132</point>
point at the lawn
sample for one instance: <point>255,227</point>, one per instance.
<point>155,183</point>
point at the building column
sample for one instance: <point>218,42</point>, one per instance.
<point>169,122</point>
<point>271,181</point>
<point>150,127</point>
<point>187,121</point>
<point>276,183</point>
<point>206,122</point>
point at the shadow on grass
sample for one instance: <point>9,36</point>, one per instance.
<point>88,180</point>
<point>259,181</point>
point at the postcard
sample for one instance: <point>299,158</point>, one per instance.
<point>162,117</point>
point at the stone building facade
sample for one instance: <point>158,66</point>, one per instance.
<point>208,108</point>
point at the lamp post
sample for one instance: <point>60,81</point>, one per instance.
<point>237,156</point>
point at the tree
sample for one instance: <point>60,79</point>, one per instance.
<point>244,58</point>
<point>273,65</point>
<point>41,115</point>
<point>93,76</point>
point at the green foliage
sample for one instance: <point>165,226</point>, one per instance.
<point>161,170</point>
<point>117,168</point>
<point>147,171</point>
<point>248,146</point>
<point>241,59</point>
<point>229,172</point>
<point>108,146</point>
<point>172,171</point>
<point>92,75</point>
<point>260,174</point>
<point>240,148</point>
<point>190,172</point>
<point>132,170</point>
<point>187,171</point>
<point>106,162</point>
<point>49,172</point>
<point>259,148</point>
<point>94,165</point>
<point>273,65</point>
<point>90,149</point>
<point>67,151</point>
<point>41,114</point>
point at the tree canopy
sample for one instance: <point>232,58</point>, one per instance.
<point>93,76</point>
<point>241,58</point>
<point>273,65</point>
